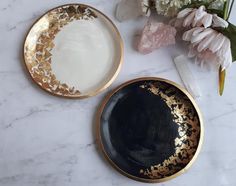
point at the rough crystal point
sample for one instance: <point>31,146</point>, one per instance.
<point>156,35</point>
<point>130,9</point>
<point>186,75</point>
<point>127,9</point>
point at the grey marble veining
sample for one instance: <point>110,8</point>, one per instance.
<point>49,141</point>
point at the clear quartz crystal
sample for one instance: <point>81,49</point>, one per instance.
<point>130,9</point>
<point>127,9</point>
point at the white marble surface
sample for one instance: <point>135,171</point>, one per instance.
<point>49,141</point>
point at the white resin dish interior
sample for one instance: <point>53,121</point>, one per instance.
<point>84,55</point>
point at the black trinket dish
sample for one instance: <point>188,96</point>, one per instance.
<point>150,129</point>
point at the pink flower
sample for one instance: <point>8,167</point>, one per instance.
<point>208,45</point>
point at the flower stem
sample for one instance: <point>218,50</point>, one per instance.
<point>226,9</point>
<point>222,73</point>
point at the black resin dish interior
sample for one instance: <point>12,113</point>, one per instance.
<point>149,129</point>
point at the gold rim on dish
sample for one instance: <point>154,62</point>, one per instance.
<point>69,93</point>
<point>99,140</point>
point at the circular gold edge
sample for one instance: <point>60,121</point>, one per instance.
<point>99,140</point>
<point>100,89</point>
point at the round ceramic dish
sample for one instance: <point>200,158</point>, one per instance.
<point>73,51</point>
<point>150,129</point>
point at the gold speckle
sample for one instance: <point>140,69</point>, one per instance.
<point>186,119</point>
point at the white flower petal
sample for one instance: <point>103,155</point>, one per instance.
<point>202,8</point>
<point>230,60</point>
<point>218,42</point>
<point>197,61</point>
<point>224,48</point>
<point>189,19</point>
<point>178,23</point>
<point>198,20</point>
<point>197,30</point>
<point>224,54</point>
<point>184,12</point>
<point>188,34</point>
<point>227,60</point>
<point>202,63</point>
<point>219,22</point>
<point>207,20</point>
<point>192,51</point>
<point>200,12</point>
<point>195,44</point>
<point>198,37</point>
<point>204,44</point>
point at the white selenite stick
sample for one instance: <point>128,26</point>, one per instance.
<point>186,75</point>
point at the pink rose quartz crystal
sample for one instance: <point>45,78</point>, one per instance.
<point>156,35</point>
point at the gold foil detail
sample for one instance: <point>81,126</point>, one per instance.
<point>184,115</point>
<point>38,56</point>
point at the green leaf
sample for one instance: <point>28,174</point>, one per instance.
<point>230,32</point>
<point>220,13</point>
<point>226,9</point>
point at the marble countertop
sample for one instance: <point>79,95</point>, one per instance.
<point>49,141</point>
